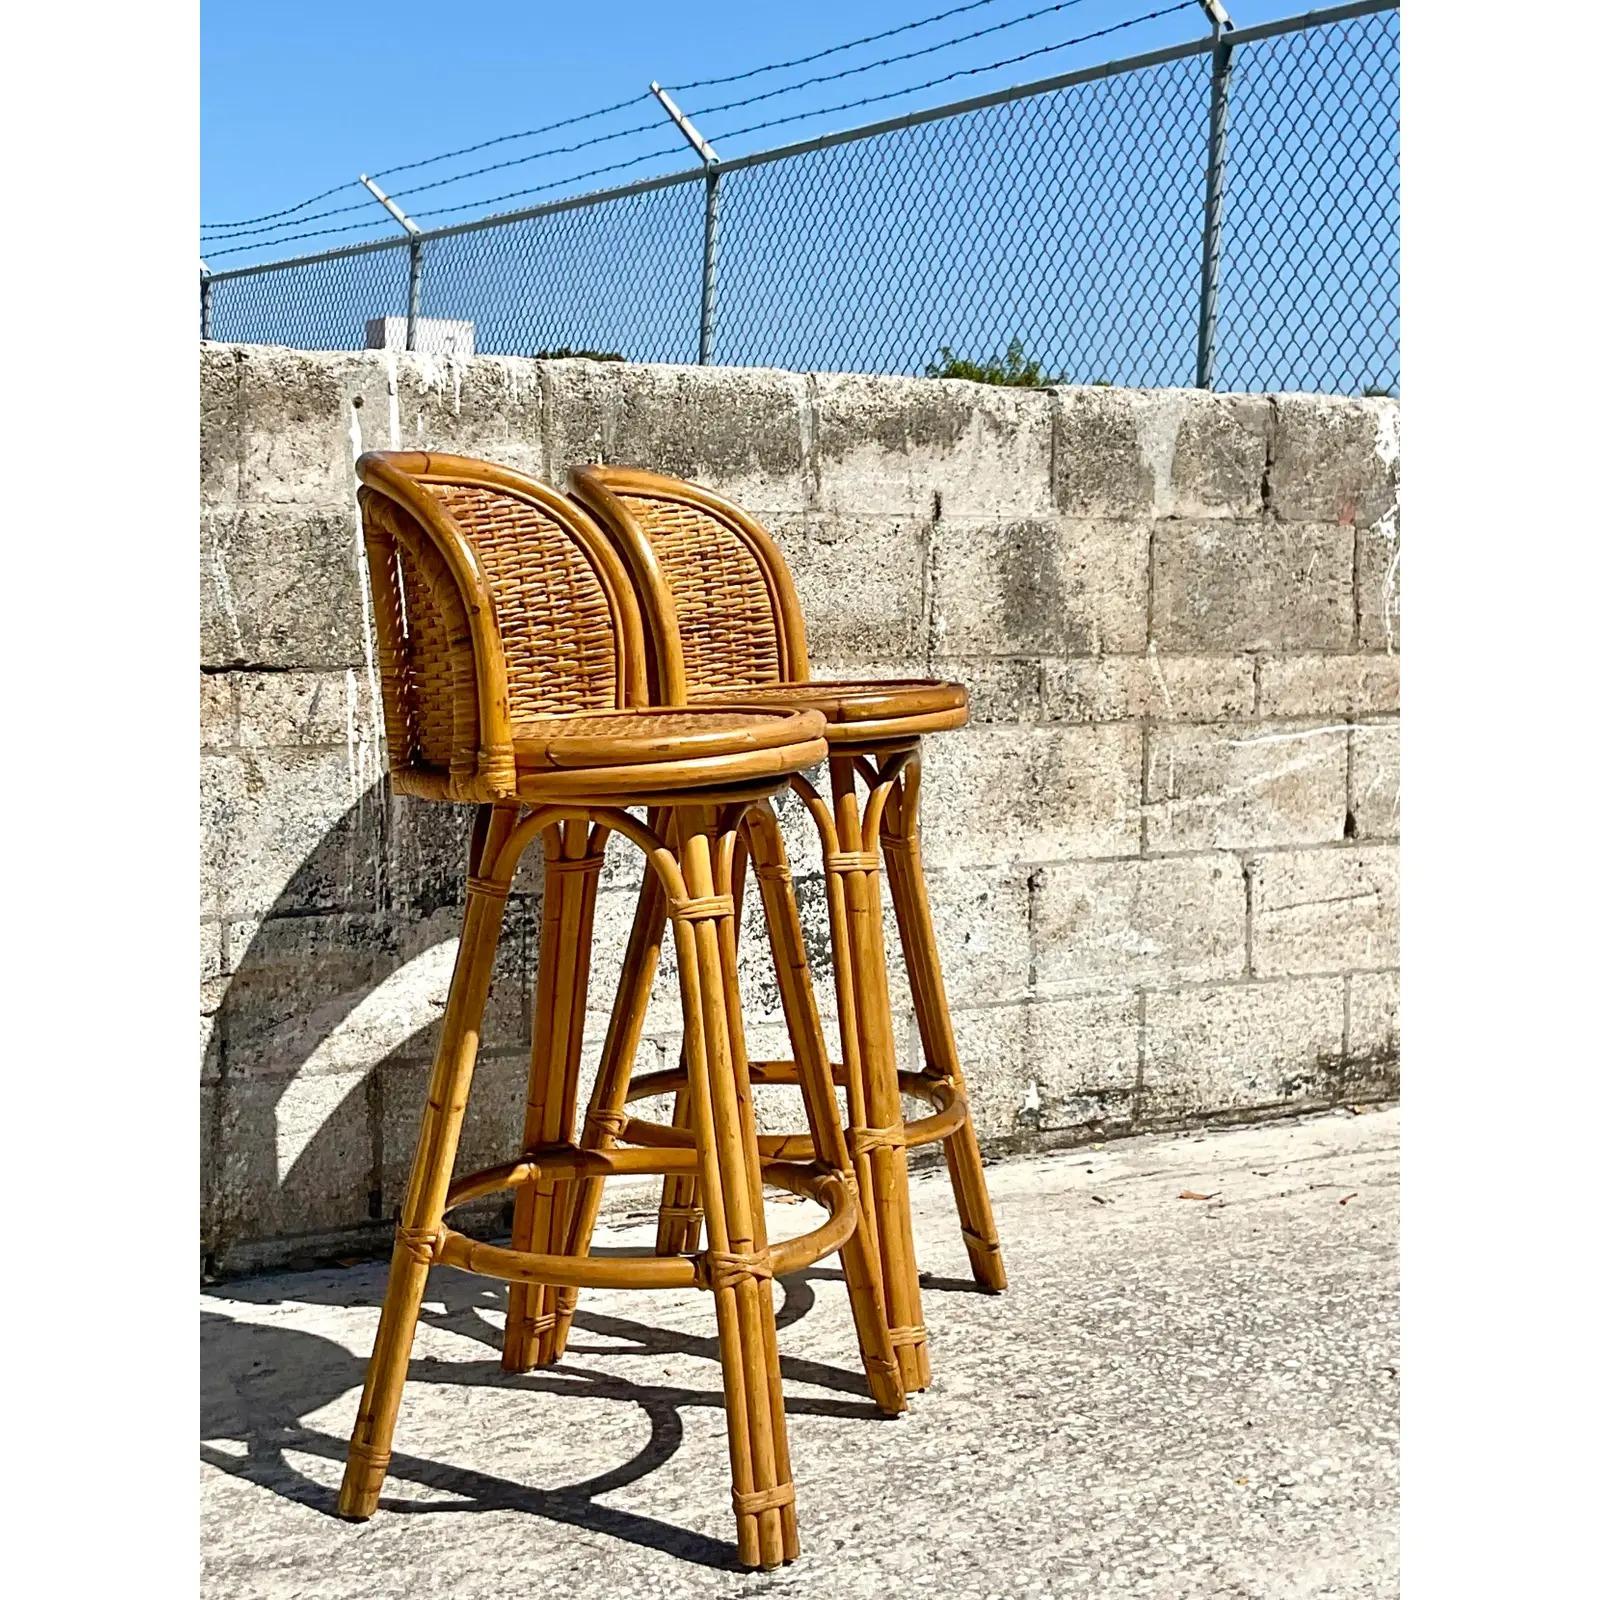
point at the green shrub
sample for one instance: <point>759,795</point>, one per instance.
<point>1014,371</point>
<point>565,352</point>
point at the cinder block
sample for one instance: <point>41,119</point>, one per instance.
<point>1161,688</point>
<point>1373,1070</point>
<point>1238,784</point>
<point>996,795</point>
<point>861,581</point>
<point>1085,1053</point>
<point>210,1219</point>
<point>287,831</point>
<point>486,406</point>
<point>1049,586</point>
<point>1335,459</point>
<point>980,920</point>
<point>737,430</point>
<point>310,709</point>
<point>613,919</point>
<point>906,446</point>
<point>218,716</point>
<point>299,431</point>
<point>219,424</point>
<point>1329,686</point>
<point>999,688</point>
<point>1130,453</point>
<point>1324,910</point>
<point>1121,924</point>
<point>1375,780</point>
<point>295,1155</point>
<point>210,1036</point>
<point>1242,1047</point>
<point>280,587</point>
<point>491,1131</point>
<point>338,994</point>
<point>304,416</point>
<point>1378,589</point>
<point>211,961</point>
<point>1252,586</point>
<point>425,855</point>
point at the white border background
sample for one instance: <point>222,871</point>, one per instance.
<point>1502,608</point>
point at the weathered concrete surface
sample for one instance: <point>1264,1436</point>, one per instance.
<point>1177,1398</point>
<point>1176,812</point>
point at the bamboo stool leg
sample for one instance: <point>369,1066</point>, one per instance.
<point>608,1103</point>
<point>729,863</point>
<point>572,874</point>
<point>680,1214</point>
<point>908,887</point>
<point>736,1267</point>
<point>417,1236</point>
<point>881,1139</point>
<point>862,1273</point>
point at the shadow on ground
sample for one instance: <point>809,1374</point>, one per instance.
<point>260,1381</point>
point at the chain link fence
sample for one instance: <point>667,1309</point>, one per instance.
<point>1223,213</point>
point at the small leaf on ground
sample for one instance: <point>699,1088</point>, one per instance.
<point>1192,1194</point>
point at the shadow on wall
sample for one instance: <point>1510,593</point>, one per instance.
<point>319,1047</point>
<point>315,1069</point>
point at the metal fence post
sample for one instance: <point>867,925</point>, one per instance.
<point>414,292</point>
<point>708,271</point>
<point>708,261</point>
<point>205,301</point>
<point>414,233</point>
<point>1216,158</point>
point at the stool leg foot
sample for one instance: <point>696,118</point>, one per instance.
<point>736,1264</point>
<point>862,1274</point>
<point>423,1208</point>
<point>539,1220</point>
<point>908,887</point>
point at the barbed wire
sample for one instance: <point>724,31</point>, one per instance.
<point>832,50</point>
<point>889,61</point>
<point>274,223</point>
<point>556,183</point>
<point>950,77</point>
<point>505,138</point>
<point>267,216</point>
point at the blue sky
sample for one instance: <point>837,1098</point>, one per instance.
<point>298,96</point>
<point>1070,222</point>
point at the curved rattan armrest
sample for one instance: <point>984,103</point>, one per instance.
<point>482,763</point>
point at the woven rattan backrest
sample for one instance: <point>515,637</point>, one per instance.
<point>495,600</point>
<point>719,602</point>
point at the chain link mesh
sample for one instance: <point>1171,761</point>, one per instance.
<point>320,304</point>
<point>1065,226</point>
<point>1309,283</point>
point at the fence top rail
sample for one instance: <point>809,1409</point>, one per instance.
<point>911,119</point>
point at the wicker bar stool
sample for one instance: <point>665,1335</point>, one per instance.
<point>724,623</point>
<point>512,663</point>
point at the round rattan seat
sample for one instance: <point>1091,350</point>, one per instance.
<point>862,711</point>
<point>647,750</point>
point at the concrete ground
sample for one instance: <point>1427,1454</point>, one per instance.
<point>1177,1397</point>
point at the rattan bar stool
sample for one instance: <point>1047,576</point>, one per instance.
<point>724,622</point>
<point>512,665</point>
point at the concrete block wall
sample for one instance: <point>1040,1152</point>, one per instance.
<point>1163,856</point>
